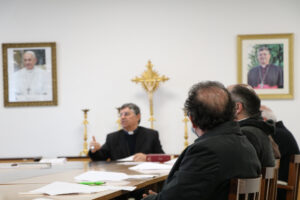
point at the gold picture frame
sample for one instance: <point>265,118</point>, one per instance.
<point>29,74</point>
<point>266,63</point>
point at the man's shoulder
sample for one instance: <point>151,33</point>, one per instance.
<point>258,138</point>
<point>249,129</point>
<point>256,122</point>
<point>115,133</point>
<point>146,130</point>
<point>282,132</point>
<point>254,69</point>
<point>212,146</point>
<point>39,70</point>
<point>275,67</point>
<point>20,71</point>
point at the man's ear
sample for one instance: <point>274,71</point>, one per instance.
<point>239,108</point>
<point>194,126</point>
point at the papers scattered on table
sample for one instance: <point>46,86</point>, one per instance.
<point>93,176</point>
<point>59,188</point>
<point>151,166</point>
<point>54,161</point>
<point>127,159</point>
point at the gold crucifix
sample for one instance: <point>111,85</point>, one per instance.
<point>150,81</point>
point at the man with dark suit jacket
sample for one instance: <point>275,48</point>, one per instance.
<point>221,152</point>
<point>131,140</point>
<point>258,132</point>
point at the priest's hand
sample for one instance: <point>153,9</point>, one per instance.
<point>94,145</point>
<point>139,157</point>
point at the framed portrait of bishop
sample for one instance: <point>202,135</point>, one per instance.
<point>265,62</point>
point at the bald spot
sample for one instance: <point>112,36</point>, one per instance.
<point>214,98</point>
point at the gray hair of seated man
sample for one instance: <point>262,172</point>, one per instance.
<point>132,107</point>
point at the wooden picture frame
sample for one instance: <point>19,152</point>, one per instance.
<point>266,63</point>
<point>29,74</point>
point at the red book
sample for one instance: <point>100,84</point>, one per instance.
<point>158,157</point>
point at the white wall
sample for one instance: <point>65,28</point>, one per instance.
<point>103,44</point>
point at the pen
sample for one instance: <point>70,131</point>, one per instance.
<point>92,183</point>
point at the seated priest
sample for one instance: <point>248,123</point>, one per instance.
<point>131,140</point>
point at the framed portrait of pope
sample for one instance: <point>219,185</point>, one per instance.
<point>29,72</point>
<point>265,62</point>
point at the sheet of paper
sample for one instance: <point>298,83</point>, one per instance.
<point>127,188</point>
<point>58,188</point>
<point>129,163</point>
<point>141,176</point>
<point>101,176</point>
<point>151,166</point>
<point>93,176</point>
<point>127,159</point>
<point>54,161</point>
<point>154,171</point>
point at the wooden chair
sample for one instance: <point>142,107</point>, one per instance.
<point>293,178</point>
<point>244,189</point>
<point>268,189</point>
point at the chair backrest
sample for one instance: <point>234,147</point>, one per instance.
<point>293,178</point>
<point>268,189</point>
<point>244,189</point>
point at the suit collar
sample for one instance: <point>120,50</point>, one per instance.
<point>226,128</point>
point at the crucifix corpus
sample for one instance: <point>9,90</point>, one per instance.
<point>150,81</point>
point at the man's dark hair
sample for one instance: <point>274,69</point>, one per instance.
<point>247,97</point>
<point>131,106</point>
<point>263,49</point>
<point>209,104</point>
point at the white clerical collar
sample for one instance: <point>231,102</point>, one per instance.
<point>130,132</point>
